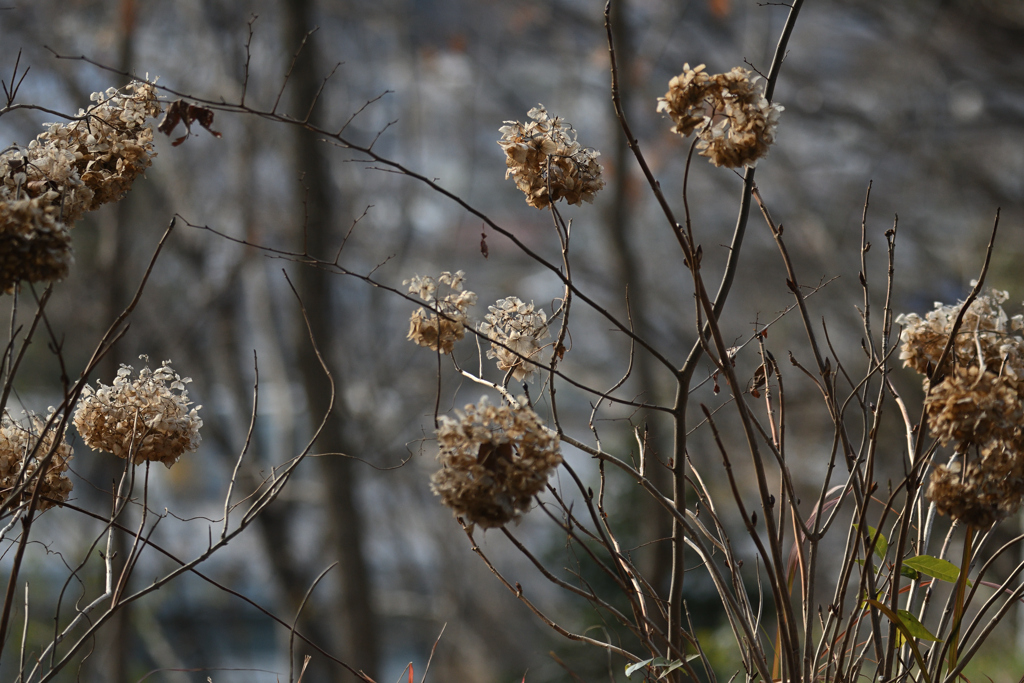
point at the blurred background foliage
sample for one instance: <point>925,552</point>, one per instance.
<point>923,98</point>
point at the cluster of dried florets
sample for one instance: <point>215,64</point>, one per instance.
<point>35,246</point>
<point>985,326</point>
<point>987,490</point>
<point>447,321</point>
<point>146,418</point>
<point>546,161</point>
<point>977,403</point>
<point>494,460</point>
<point>22,450</point>
<point>735,123</point>
<point>68,170</point>
<point>515,330</point>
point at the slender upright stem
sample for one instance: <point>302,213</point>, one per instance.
<point>961,593</point>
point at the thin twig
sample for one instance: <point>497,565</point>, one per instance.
<point>295,621</point>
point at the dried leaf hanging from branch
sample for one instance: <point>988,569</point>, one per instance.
<point>184,112</point>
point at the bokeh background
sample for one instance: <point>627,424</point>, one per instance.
<point>922,98</point>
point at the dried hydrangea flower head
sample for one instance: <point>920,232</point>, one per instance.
<point>977,404</point>
<point>543,155</point>
<point>23,447</point>
<point>969,407</point>
<point>734,121</point>
<point>148,417</point>
<point>85,163</point>
<point>988,489</point>
<point>447,321</point>
<point>68,170</point>
<point>116,143</point>
<point>515,330</point>
<point>34,245</point>
<point>494,460</point>
<point>985,325</point>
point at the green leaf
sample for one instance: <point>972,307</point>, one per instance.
<point>633,668</point>
<point>876,567</point>
<point>657,663</point>
<point>933,566</point>
<point>865,600</point>
<point>915,627</point>
<point>895,619</point>
<point>909,572</point>
<point>671,667</point>
<point>881,543</point>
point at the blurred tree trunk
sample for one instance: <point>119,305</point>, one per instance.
<point>657,561</point>
<point>355,612</point>
<point>114,641</point>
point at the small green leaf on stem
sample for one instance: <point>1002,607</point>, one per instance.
<point>657,663</point>
<point>935,567</point>
<point>633,668</point>
<point>881,543</point>
<point>671,667</point>
<point>915,627</point>
<point>910,572</point>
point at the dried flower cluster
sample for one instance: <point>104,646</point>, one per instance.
<point>34,245</point>
<point>544,157</point>
<point>735,123</point>
<point>515,330</point>
<point>22,449</point>
<point>494,460</point>
<point>148,417</point>
<point>977,404</point>
<point>988,490</point>
<point>68,170</point>
<point>447,321</point>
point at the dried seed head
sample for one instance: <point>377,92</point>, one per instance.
<point>494,459</point>
<point>734,122</point>
<point>544,157</point>
<point>145,418</point>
